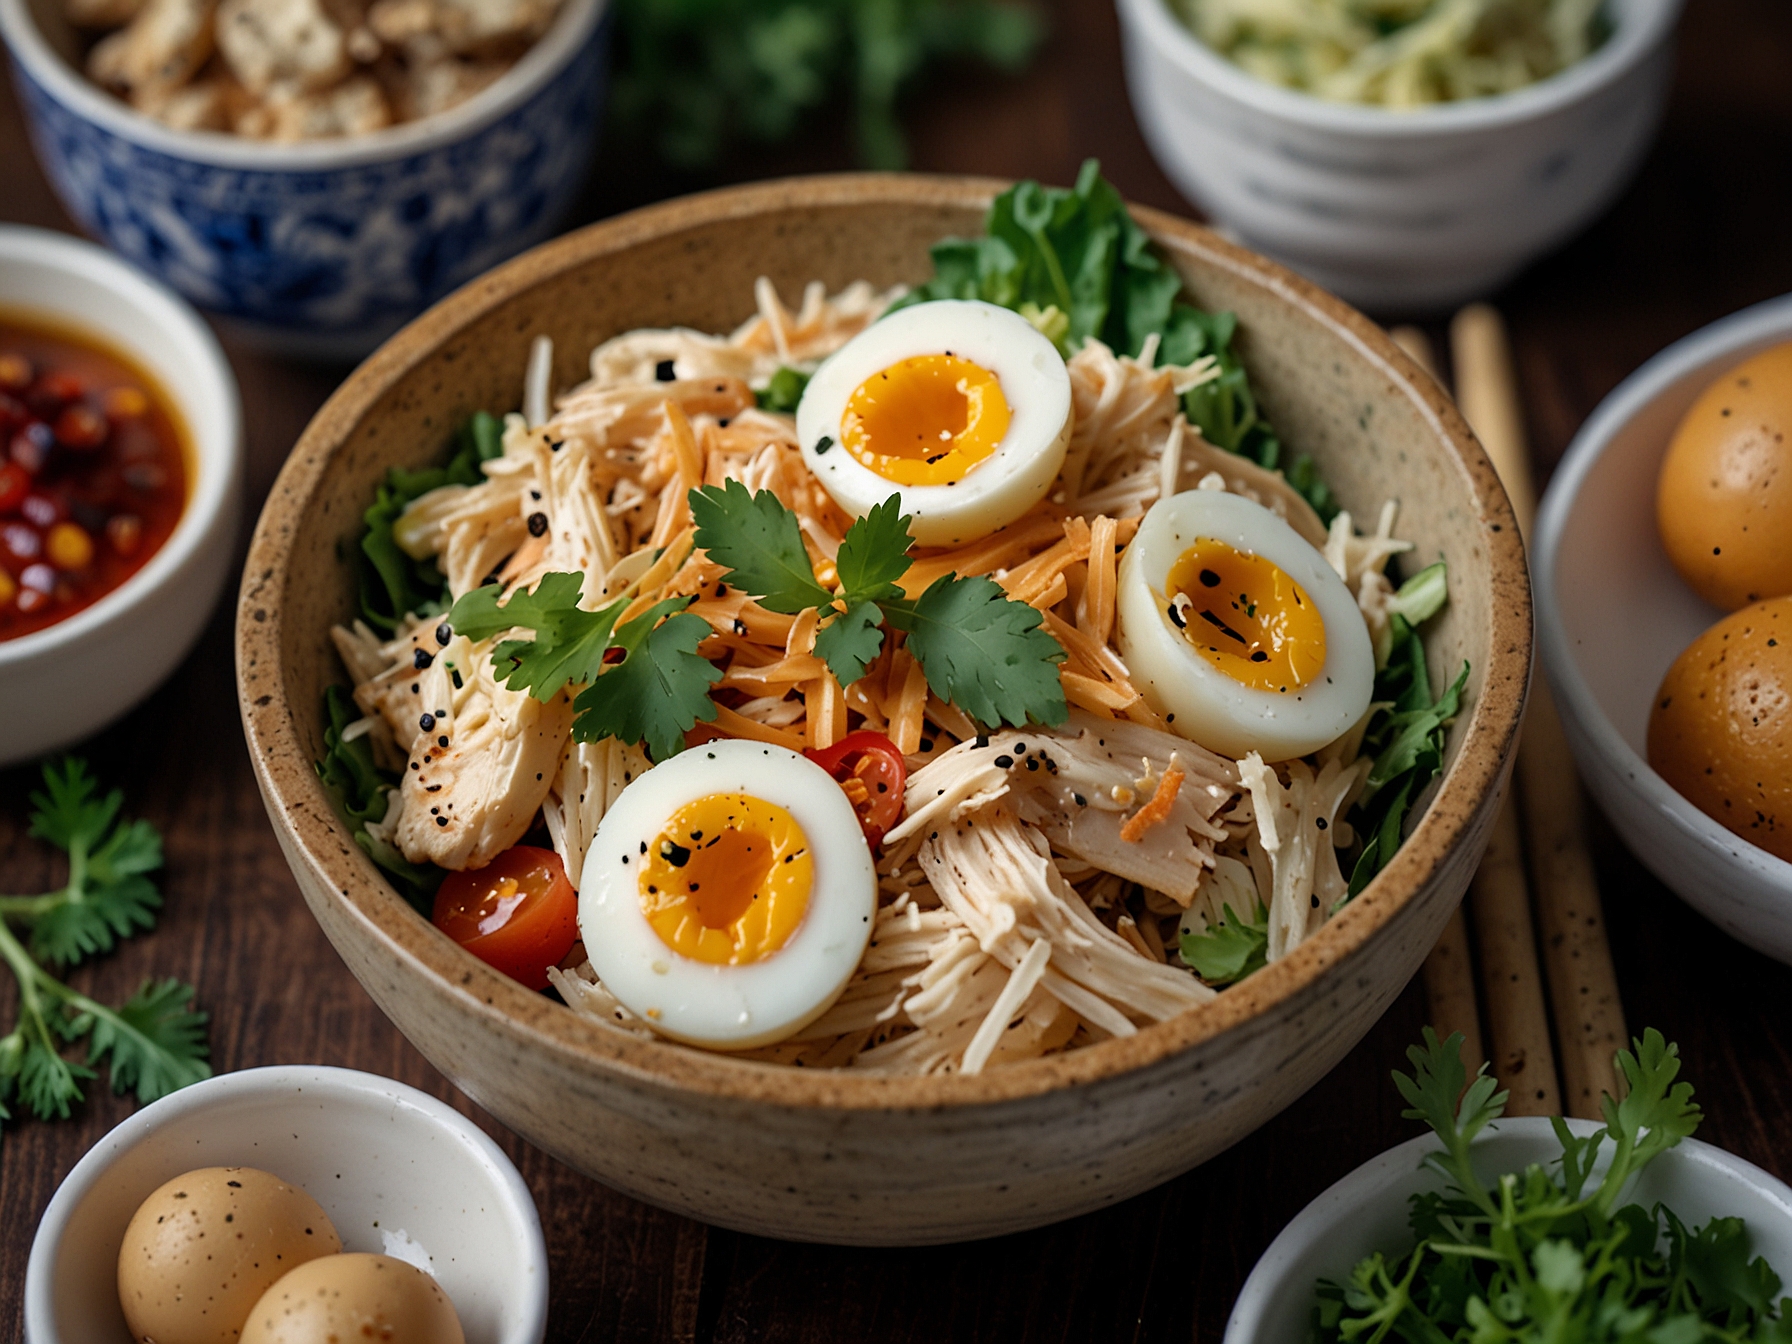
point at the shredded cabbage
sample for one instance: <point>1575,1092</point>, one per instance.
<point>1399,53</point>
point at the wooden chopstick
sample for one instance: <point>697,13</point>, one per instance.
<point>1449,972</point>
<point>1583,985</point>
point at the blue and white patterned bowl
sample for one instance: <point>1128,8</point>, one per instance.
<point>322,248</point>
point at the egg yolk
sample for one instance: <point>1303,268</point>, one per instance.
<point>727,880</point>
<point>1246,616</point>
<point>925,421</point>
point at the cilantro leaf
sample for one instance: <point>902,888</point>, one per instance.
<point>660,689</point>
<point>1439,1093</point>
<point>569,643</point>
<point>982,652</point>
<point>874,554</point>
<point>156,1040</point>
<point>851,641</point>
<point>49,1084</point>
<point>1656,1112</point>
<point>758,539</point>
<point>107,896</point>
<point>1230,950</point>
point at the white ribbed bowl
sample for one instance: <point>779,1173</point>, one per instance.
<point>1400,211</point>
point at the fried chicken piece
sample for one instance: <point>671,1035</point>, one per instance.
<point>161,49</point>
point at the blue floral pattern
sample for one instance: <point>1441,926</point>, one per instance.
<point>332,253</point>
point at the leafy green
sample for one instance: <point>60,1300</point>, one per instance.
<point>1230,950</point>
<point>155,1042</point>
<point>659,690</point>
<point>359,790</point>
<point>1540,1258</point>
<point>643,680</point>
<point>391,583</point>
<point>1406,731</point>
<point>695,77</point>
<point>1075,264</point>
<point>784,391</point>
<point>980,651</point>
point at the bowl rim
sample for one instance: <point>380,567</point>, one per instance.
<point>1397,1169</point>
<point>275,1080</point>
<point>216,464</point>
<point>312,834</point>
<point>545,59</point>
<point>1639,30</point>
<point>1767,320</point>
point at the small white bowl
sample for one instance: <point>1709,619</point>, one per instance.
<point>1399,210</point>
<point>397,1171</point>
<point>1613,614</point>
<point>71,679</point>
<point>1366,1212</point>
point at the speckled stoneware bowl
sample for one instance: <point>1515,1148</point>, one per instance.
<point>839,1156</point>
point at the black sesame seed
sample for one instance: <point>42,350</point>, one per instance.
<point>422,658</point>
<point>1004,761</point>
<point>823,444</point>
<point>538,524</point>
<point>427,722</point>
<point>982,739</point>
<point>1321,823</point>
<point>1209,579</point>
<point>442,741</point>
<point>665,371</point>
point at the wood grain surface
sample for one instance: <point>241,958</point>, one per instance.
<point>1701,233</point>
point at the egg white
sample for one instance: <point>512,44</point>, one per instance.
<point>998,489</point>
<point>729,1007</point>
<point>1199,701</point>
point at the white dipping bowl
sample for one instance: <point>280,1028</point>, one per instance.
<point>1366,1212</point>
<point>1407,211</point>
<point>69,680</point>
<point>1613,614</point>
<point>398,1172</point>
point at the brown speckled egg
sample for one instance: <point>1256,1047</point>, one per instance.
<point>1720,730</point>
<point>202,1249</point>
<point>343,1298</point>
<point>1723,501</point>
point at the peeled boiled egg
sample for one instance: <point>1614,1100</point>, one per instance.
<point>344,1298</point>
<point>960,407</point>
<point>728,894</point>
<point>1723,500</point>
<point>1238,632</point>
<point>202,1248</point>
<point>1720,729</point>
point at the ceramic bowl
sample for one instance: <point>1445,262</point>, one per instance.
<point>1613,614</point>
<point>327,247</point>
<point>397,1171</point>
<point>1366,1212</point>
<point>1400,211</point>
<point>837,1155</point>
<point>78,675</point>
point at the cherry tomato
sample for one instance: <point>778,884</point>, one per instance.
<point>518,914</point>
<point>15,484</point>
<point>873,773</point>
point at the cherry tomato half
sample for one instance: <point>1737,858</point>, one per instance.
<point>518,914</point>
<point>873,773</point>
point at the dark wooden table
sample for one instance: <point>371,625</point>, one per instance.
<point>1706,229</point>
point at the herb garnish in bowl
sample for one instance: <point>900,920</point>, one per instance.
<point>1554,1253</point>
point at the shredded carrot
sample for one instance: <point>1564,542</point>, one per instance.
<point>1158,809</point>
<point>1096,617</point>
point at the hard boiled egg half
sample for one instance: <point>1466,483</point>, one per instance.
<point>960,407</point>
<point>1238,632</point>
<point>728,895</point>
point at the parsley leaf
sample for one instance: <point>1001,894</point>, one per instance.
<point>758,539</point>
<point>569,643</point>
<point>659,690</point>
<point>155,1042</point>
<point>1230,950</point>
<point>982,652</point>
<point>107,896</point>
<point>874,554</point>
<point>850,642</point>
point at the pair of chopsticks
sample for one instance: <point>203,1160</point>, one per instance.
<point>1535,890</point>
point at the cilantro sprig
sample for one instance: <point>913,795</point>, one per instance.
<point>643,680</point>
<point>979,649</point>
<point>154,1043</point>
<point>1543,1255</point>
